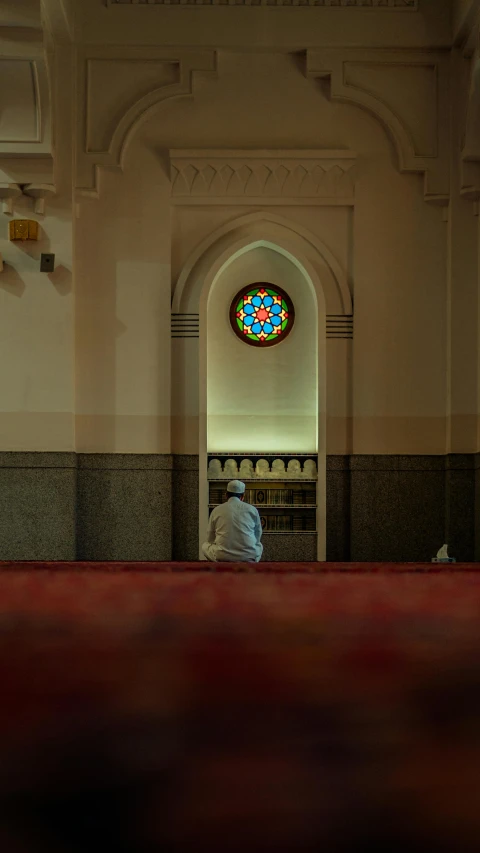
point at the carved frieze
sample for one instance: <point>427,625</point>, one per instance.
<point>395,5</point>
<point>274,175</point>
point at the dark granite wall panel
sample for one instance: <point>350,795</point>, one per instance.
<point>397,507</point>
<point>37,506</point>
<point>285,547</point>
<point>338,508</point>
<point>477,506</point>
<point>124,507</point>
<point>460,506</point>
<point>60,506</point>
<point>185,503</point>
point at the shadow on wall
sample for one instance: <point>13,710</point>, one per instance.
<point>34,248</point>
<point>11,282</point>
<point>61,279</point>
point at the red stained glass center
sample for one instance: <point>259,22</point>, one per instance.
<point>262,314</point>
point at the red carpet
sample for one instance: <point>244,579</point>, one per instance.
<point>250,568</point>
<point>160,708</point>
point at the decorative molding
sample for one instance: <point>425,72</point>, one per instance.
<point>141,104</point>
<point>8,194</point>
<point>25,126</point>
<point>249,176</point>
<point>386,82</point>
<point>470,159</point>
<point>339,326</point>
<point>24,85</point>
<point>470,177</point>
<point>467,35</point>
<point>185,325</point>
<point>283,235</point>
<point>58,20</point>
<point>39,192</point>
<point>270,466</point>
<point>388,5</point>
<point>125,79</point>
<point>434,165</point>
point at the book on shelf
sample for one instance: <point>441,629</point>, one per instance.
<point>271,497</point>
<point>304,523</point>
<point>268,497</point>
<point>304,496</point>
<point>276,522</point>
<point>281,497</point>
<point>287,523</point>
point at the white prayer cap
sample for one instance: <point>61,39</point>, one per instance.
<point>236,487</point>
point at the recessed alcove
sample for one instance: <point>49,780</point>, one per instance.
<point>262,399</point>
<point>263,402</point>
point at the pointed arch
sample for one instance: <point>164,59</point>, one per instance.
<point>317,262</point>
<point>196,282</point>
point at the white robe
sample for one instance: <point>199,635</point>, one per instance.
<point>234,533</point>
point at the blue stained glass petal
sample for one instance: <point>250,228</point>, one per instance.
<point>272,324</point>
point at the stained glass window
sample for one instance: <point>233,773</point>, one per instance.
<point>262,314</point>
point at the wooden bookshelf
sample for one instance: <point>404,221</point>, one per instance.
<point>287,504</point>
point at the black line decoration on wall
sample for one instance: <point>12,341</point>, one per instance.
<point>392,5</point>
<point>339,326</point>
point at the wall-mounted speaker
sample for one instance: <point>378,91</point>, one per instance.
<point>47,263</point>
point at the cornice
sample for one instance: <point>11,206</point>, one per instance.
<point>317,176</point>
<point>387,5</point>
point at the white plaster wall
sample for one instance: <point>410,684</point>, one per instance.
<point>36,342</point>
<point>123,311</point>
<point>386,392</point>
<point>393,248</point>
<point>262,399</point>
<point>399,348</point>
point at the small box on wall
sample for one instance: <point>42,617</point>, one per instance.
<point>23,229</point>
<point>47,263</point>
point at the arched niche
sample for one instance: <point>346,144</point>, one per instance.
<point>262,400</point>
<point>298,242</point>
<point>308,290</point>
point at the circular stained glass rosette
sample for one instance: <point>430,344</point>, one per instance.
<point>262,315</point>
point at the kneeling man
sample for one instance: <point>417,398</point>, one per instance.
<point>234,529</point>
